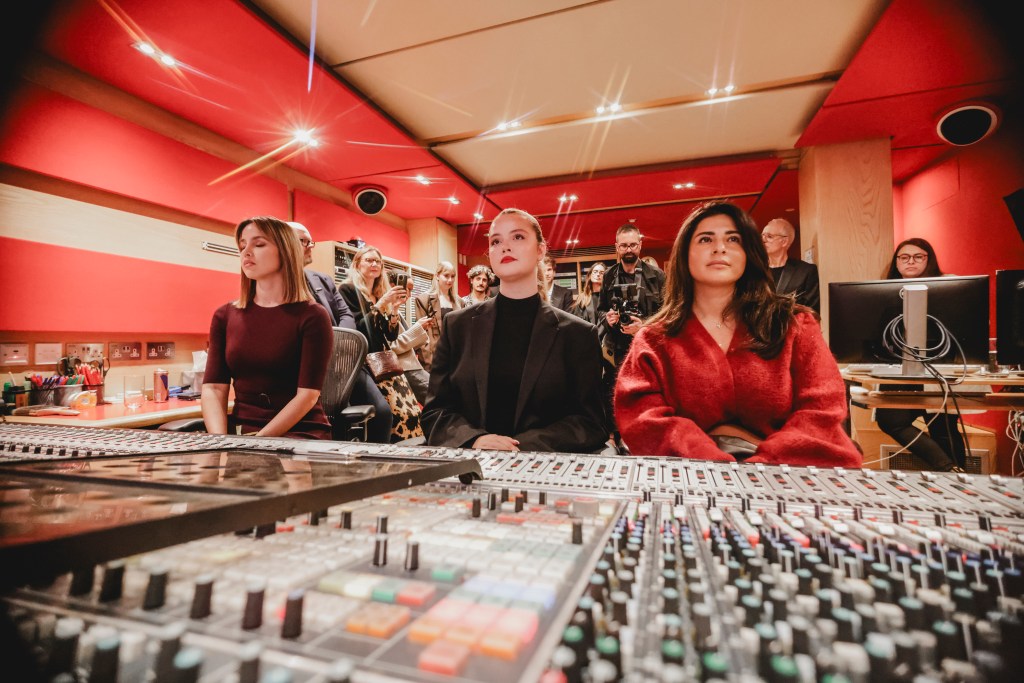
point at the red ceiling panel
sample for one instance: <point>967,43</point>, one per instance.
<point>257,102</point>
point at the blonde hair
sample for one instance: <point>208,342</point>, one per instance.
<point>583,299</point>
<point>289,252</point>
<point>371,291</point>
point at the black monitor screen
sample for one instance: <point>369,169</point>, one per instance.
<point>859,311</point>
<point>1010,317</point>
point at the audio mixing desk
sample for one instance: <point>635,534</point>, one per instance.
<point>135,555</point>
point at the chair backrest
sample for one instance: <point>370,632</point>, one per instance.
<point>346,362</point>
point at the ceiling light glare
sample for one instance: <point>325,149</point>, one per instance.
<point>677,186</point>
<point>687,186</point>
<point>422,181</point>
<point>572,241</point>
<point>567,198</point>
<point>305,137</point>
<point>514,124</point>
<point>728,89</point>
<point>145,48</point>
<point>168,60</point>
<point>478,216</point>
<point>712,92</point>
<point>503,125</point>
<point>454,200</point>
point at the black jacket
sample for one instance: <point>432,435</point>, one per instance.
<point>561,297</point>
<point>801,278</point>
<point>559,409</point>
<point>649,298</point>
<point>326,294</point>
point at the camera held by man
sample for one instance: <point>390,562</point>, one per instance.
<point>627,304</point>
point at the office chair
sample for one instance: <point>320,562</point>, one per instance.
<point>346,363</point>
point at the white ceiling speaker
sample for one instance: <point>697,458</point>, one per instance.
<point>370,200</point>
<point>966,124</point>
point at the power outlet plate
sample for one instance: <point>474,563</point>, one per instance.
<point>15,353</point>
<point>48,353</point>
<point>122,351</point>
<point>159,350</point>
<point>86,351</point>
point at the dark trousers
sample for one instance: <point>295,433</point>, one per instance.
<point>365,392</point>
<point>940,449</point>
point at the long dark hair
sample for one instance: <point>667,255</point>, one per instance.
<point>766,313</point>
<point>932,269</point>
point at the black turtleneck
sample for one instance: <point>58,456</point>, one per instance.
<point>513,328</point>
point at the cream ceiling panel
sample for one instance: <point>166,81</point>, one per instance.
<point>768,121</point>
<point>569,63</point>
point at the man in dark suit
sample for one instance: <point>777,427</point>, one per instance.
<point>790,275</point>
<point>365,391</point>
<point>558,296</point>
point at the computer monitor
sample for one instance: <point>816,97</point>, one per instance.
<point>858,313</point>
<point>1010,317</point>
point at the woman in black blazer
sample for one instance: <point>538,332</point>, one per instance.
<point>514,373</point>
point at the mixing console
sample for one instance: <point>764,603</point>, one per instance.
<point>554,567</point>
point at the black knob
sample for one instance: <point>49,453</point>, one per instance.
<point>577,532</point>
<point>380,550</point>
<point>169,644</point>
<point>252,617</point>
<point>64,649</point>
<point>476,506</point>
<point>346,519</point>
<point>382,524</point>
<point>412,556</point>
<point>106,657</point>
<point>113,582</point>
<point>291,625</point>
<point>187,664</point>
<point>202,597</point>
<point>82,581</point>
<point>249,662</point>
<point>156,589</point>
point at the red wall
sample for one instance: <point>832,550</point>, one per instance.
<point>326,221</point>
<point>63,289</point>
<point>957,205</point>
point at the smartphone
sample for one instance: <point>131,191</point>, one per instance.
<point>400,279</point>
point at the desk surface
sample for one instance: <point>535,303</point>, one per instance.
<point>966,401</point>
<point>115,415</point>
<point>1015,380</point>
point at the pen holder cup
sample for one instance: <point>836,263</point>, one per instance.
<point>54,396</point>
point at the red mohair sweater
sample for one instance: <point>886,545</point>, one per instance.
<point>670,390</point>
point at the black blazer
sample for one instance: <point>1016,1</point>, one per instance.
<point>561,297</point>
<point>326,294</point>
<point>560,407</point>
<point>801,278</point>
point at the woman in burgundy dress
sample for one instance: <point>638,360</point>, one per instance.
<point>274,342</point>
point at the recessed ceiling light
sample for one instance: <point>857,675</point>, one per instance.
<point>454,200</point>
<point>687,186</point>
<point>168,60</point>
<point>572,241</point>
<point>146,49</point>
<point>305,137</point>
<point>729,88</point>
<point>567,198</point>
<point>609,108</point>
<point>505,125</point>
<point>422,181</point>
<point>478,216</point>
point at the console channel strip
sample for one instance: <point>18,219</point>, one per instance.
<point>437,582</point>
<point>684,570</point>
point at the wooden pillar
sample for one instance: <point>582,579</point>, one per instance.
<point>431,240</point>
<point>846,212</point>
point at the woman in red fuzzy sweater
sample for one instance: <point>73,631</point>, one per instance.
<point>727,350</point>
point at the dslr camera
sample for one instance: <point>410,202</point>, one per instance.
<point>627,305</point>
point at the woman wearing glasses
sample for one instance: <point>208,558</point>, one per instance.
<point>942,448</point>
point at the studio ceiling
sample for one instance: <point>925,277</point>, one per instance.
<point>495,103</point>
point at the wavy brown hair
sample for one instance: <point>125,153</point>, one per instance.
<point>282,236</point>
<point>766,313</point>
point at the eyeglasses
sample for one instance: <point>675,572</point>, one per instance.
<point>916,258</point>
<point>306,244</point>
<point>371,261</point>
<point>632,246</point>
<point>768,237</point>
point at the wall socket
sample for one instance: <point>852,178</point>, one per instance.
<point>125,351</point>
<point>86,352</point>
<point>15,353</point>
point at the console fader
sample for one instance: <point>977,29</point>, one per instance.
<point>554,567</point>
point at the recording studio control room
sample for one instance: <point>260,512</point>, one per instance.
<point>551,341</point>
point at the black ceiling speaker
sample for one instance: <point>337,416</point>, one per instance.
<point>966,124</point>
<point>370,200</point>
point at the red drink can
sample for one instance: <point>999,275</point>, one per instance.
<point>161,390</point>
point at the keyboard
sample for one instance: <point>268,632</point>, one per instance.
<point>934,390</point>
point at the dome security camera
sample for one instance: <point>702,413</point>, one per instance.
<point>370,200</point>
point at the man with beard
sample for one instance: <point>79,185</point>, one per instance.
<point>480,285</point>
<point>631,293</point>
